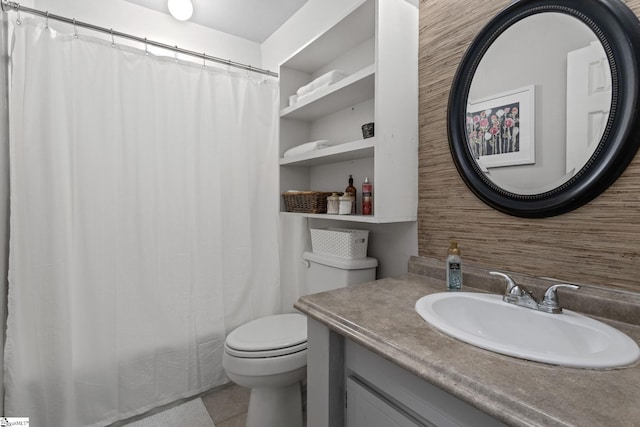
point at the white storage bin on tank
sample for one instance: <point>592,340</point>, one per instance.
<point>326,273</point>
<point>340,242</point>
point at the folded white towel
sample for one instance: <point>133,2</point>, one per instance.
<point>303,98</point>
<point>304,90</point>
<point>330,77</point>
<point>307,148</point>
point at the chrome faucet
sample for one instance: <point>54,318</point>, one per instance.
<point>520,296</point>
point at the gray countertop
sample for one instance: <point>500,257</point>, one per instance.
<point>380,315</point>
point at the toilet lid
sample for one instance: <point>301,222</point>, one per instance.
<point>269,336</point>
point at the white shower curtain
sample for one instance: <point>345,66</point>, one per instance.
<point>144,217</point>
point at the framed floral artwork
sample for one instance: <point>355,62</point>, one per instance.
<point>501,128</point>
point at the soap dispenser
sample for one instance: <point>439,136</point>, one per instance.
<point>454,268</point>
<point>353,191</point>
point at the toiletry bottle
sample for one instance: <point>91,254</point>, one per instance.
<point>333,204</point>
<point>346,204</point>
<point>352,190</point>
<point>454,268</point>
<point>367,197</point>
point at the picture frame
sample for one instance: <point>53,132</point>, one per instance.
<point>501,128</point>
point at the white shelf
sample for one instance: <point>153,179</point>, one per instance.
<point>377,43</point>
<point>371,219</point>
<point>352,90</point>
<point>355,28</point>
<point>337,153</point>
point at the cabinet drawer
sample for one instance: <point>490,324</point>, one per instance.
<point>365,408</point>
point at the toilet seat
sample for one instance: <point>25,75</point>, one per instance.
<point>270,336</point>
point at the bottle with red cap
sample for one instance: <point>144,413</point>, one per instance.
<point>367,197</point>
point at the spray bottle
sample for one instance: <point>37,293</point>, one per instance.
<point>367,197</point>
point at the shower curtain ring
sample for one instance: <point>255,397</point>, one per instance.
<point>113,41</point>
<point>204,56</point>
<point>46,22</point>
<point>18,21</point>
<point>175,53</point>
<point>75,29</point>
<point>146,47</point>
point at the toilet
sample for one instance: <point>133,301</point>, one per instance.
<point>269,354</point>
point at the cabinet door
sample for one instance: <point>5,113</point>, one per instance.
<point>367,409</point>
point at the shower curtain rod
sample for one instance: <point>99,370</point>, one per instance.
<point>9,5</point>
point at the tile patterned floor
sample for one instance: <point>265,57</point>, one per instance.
<point>227,405</point>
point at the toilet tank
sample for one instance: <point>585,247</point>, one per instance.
<point>325,272</point>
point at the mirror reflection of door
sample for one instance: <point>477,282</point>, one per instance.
<point>588,103</point>
<point>528,45</point>
<point>523,56</point>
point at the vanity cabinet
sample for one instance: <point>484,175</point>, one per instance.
<point>354,387</point>
<point>372,334</point>
<point>379,390</point>
<point>366,408</point>
<point>376,46</point>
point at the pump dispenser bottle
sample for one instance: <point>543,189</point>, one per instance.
<point>454,268</point>
<point>353,191</point>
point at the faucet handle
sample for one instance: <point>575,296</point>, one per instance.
<point>512,288</point>
<point>550,301</point>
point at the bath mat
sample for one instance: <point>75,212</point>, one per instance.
<point>190,414</point>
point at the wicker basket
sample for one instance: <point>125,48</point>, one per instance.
<point>306,201</point>
<point>340,242</point>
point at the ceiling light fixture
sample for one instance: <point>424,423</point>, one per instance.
<point>180,9</point>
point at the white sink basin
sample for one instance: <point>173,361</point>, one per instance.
<point>567,339</point>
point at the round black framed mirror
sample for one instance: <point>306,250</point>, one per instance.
<point>543,113</point>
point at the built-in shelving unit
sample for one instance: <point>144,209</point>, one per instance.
<point>354,89</point>
<point>338,153</point>
<point>376,45</point>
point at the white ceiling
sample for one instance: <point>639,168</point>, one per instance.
<point>250,19</point>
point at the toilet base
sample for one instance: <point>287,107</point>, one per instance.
<point>275,407</point>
